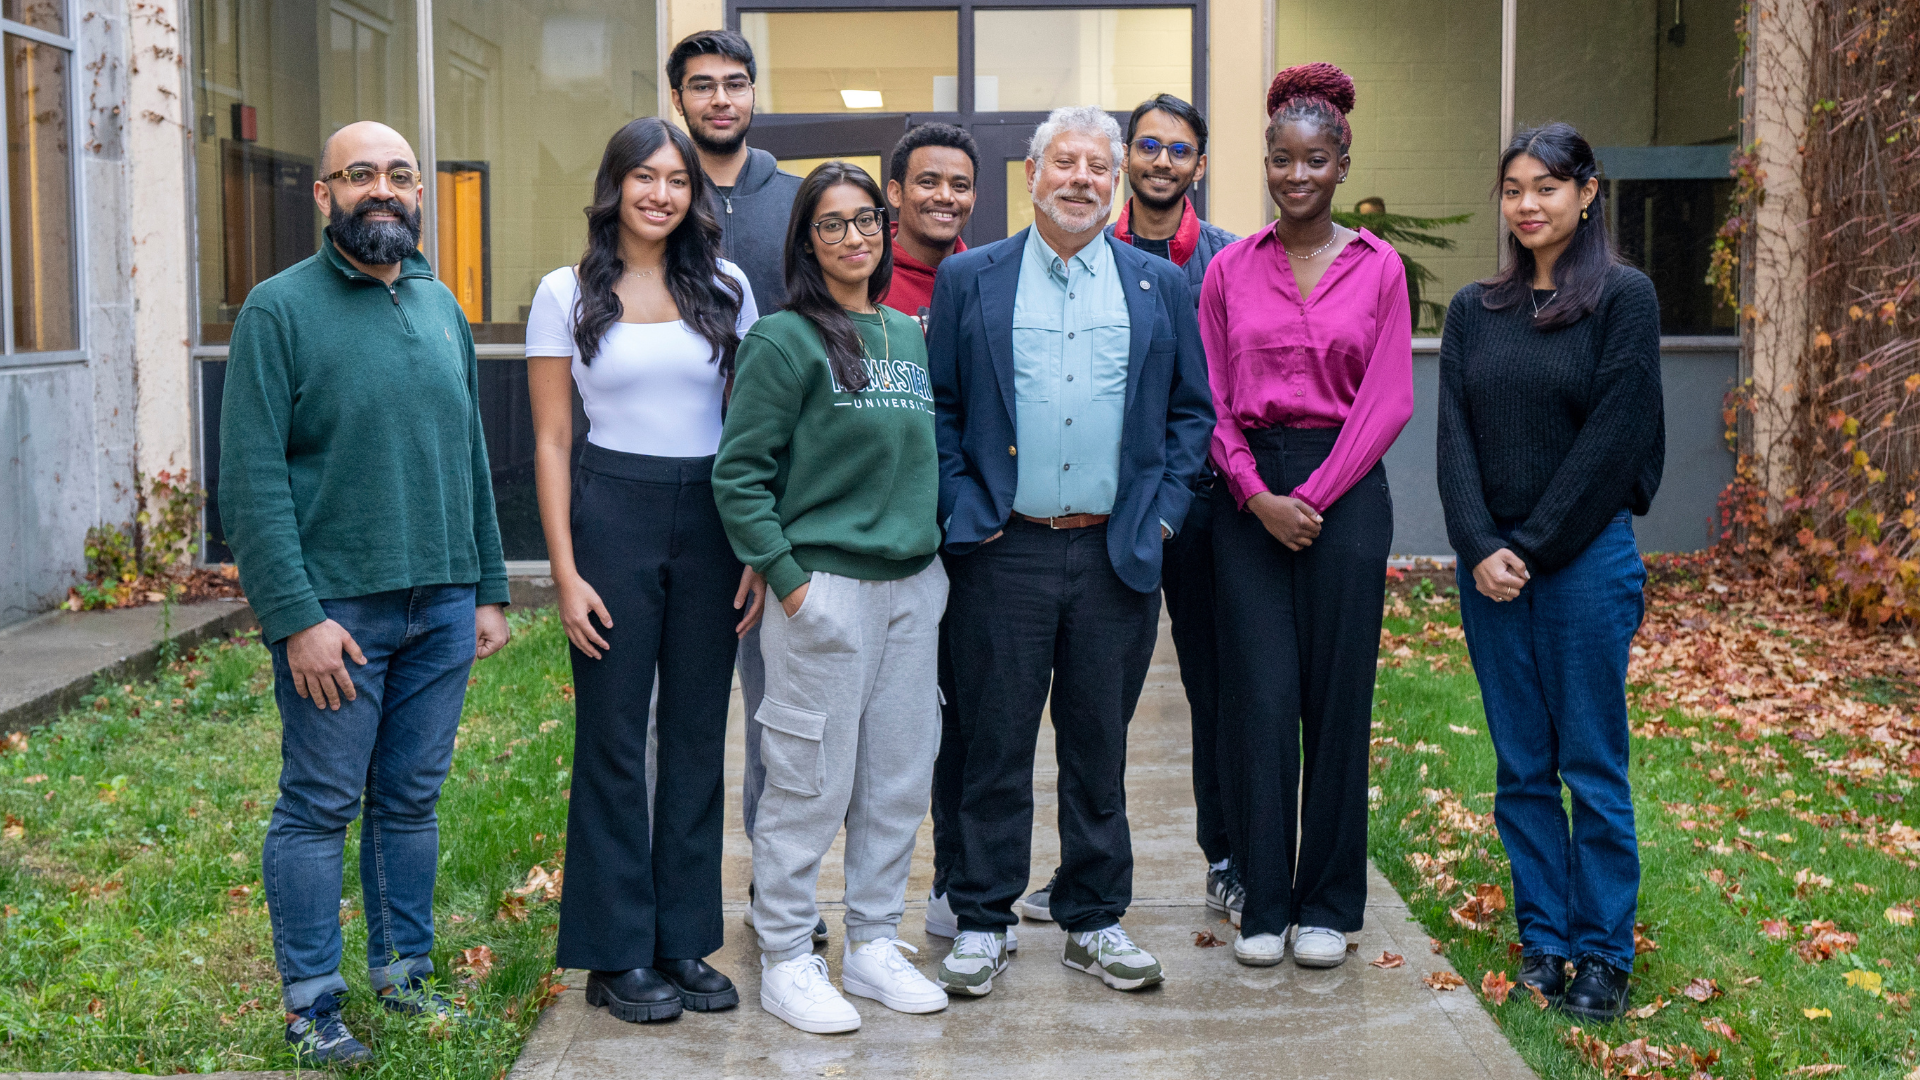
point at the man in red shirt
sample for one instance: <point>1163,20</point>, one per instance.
<point>930,184</point>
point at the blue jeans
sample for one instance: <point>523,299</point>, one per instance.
<point>1552,666</point>
<point>389,750</point>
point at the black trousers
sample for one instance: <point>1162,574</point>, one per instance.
<point>1299,636</point>
<point>1037,612</point>
<point>950,768</point>
<point>1186,580</point>
<point>647,537</point>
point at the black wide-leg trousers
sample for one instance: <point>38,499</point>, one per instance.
<point>647,537</point>
<point>1038,619</point>
<point>1299,639</point>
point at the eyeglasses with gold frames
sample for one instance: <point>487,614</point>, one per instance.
<point>402,178</point>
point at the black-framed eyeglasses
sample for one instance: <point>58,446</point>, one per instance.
<point>1178,152</point>
<point>404,178</point>
<point>736,87</point>
<point>832,230</point>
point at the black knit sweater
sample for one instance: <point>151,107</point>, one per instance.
<point>1549,432</point>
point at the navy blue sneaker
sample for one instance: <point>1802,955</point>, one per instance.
<point>319,1037</point>
<point>419,998</point>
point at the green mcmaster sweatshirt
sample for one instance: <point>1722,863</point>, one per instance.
<point>813,477</point>
<point>351,455</point>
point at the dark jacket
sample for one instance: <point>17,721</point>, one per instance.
<point>753,226</point>
<point>1208,244</point>
<point>1163,436</point>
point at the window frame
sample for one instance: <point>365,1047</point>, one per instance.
<point>10,356</point>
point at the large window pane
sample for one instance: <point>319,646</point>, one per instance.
<point>40,196</point>
<point>272,79</point>
<point>1032,61</point>
<point>854,61</point>
<point>526,94</point>
<point>1651,87</point>
<point>48,15</point>
<point>1426,127</point>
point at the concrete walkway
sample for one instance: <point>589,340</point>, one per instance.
<point>49,662</point>
<point>1211,1018</point>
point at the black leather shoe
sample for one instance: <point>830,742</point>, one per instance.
<point>1546,973</point>
<point>702,989</point>
<point>1598,991</point>
<point>638,996</point>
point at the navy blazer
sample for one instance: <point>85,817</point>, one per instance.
<point>1164,432</point>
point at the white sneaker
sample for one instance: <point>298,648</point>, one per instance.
<point>799,992</point>
<point>877,970</point>
<point>1260,950</point>
<point>1318,947</point>
<point>941,923</point>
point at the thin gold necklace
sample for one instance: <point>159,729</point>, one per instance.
<point>1309,256</point>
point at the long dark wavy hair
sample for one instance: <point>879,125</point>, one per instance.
<point>807,291</point>
<point>1580,273</point>
<point>709,300</point>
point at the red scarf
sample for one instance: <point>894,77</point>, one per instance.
<point>1185,239</point>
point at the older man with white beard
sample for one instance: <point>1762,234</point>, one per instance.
<point>1073,416</point>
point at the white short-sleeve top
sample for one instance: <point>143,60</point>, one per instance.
<point>654,388</point>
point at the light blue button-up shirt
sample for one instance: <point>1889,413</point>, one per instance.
<point>1071,337</point>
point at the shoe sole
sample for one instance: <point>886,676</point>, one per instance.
<point>1259,959</point>
<point>851,985</point>
<point>1319,962</point>
<point>1595,1015</point>
<point>1111,979</point>
<point>1035,911</point>
<point>812,1027</point>
<point>633,1012</point>
<point>714,1002</point>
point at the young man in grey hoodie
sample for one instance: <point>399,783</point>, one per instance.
<point>711,74</point>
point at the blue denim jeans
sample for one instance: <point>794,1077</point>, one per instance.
<point>387,751</point>
<point>1552,665</point>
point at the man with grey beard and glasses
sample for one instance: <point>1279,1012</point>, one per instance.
<point>1072,412</point>
<point>359,506</point>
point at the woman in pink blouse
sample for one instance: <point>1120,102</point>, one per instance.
<point>1310,354</point>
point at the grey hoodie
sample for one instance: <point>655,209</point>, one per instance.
<point>753,226</point>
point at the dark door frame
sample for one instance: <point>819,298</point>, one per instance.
<point>788,135</point>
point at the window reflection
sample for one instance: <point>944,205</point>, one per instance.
<point>40,197</point>
<point>1033,61</point>
<point>48,15</point>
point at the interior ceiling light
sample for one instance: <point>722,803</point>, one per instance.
<point>861,99</point>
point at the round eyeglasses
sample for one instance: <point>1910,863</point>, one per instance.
<point>363,176</point>
<point>1178,152</point>
<point>832,230</point>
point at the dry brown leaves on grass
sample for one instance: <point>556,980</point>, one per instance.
<point>1641,942</point>
<point>1443,980</point>
<point>1641,1057</point>
<point>1701,990</point>
<point>1770,661</point>
<point>1827,1069</point>
<point>1388,960</point>
<point>1480,911</point>
<point>1900,914</point>
<point>1821,940</point>
<point>1495,986</point>
<point>1721,1028</point>
<point>473,965</point>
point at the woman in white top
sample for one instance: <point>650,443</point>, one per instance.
<point>646,327</point>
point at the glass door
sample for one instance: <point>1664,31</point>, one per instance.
<point>846,79</point>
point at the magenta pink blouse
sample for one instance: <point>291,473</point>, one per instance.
<point>1343,357</point>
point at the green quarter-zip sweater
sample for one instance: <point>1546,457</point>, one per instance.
<point>812,476</point>
<point>351,454</point>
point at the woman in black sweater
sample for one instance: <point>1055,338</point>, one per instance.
<point>1551,439</point>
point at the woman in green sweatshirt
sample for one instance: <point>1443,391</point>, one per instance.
<point>826,480</point>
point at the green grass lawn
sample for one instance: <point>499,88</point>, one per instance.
<point>135,935</point>
<point>1732,833</point>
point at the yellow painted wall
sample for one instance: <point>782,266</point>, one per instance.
<point>1237,73</point>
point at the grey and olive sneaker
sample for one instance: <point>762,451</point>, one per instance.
<point>420,998</point>
<point>1113,956</point>
<point>1038,904</point>
<point>977,956</point>
<point>319,1037</point>
<point>1225,893</point>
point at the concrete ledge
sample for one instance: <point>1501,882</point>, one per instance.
<point>49,663</point>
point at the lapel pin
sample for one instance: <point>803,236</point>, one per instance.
<point>1145,285</point>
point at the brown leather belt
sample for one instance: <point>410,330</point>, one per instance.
<point>1069,521</point>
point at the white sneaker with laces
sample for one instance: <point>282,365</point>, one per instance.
<point>1319,947</point>
<point>1260,950</point>
<point>1112,957</point>
<point>877,970</point>
<point>941,923</point>
<point>976,958</point>
<point>799,992</point>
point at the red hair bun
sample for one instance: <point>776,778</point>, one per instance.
<point>1321,80</point>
